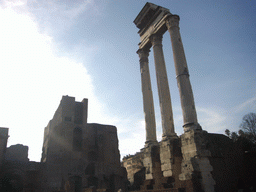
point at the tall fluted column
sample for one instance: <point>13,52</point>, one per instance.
<point>182,75</point>
<point>148,104</point>
<point>163,87</point>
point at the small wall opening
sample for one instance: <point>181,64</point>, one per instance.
<point>170,182</point>
<point>92,181</point>
<point>92,156</point>
<point>90,169</point>
<point>76,183</point>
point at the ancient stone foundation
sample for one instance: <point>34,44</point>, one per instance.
<point>200,162</point>
<point>195,165</point>
<point>76,156</point>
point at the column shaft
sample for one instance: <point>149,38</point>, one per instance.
<point>163,87</point>
<point>148,104</point>
<point>182,75</point>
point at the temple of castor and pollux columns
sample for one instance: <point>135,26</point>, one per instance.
<point>83,157</point>
<point>195,161</point>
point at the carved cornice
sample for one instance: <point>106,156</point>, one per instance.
<point>156,39</point>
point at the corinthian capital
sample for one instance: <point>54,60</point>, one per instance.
<point>143,54</point>
<point>172,21</point>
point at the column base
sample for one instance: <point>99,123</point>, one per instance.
<point>191,126</point>
<point>168,137</point>
<point>195,165</point>
<point>150,143</point>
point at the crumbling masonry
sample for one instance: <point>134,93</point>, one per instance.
<point>78,155</point>
<point>183,163</point>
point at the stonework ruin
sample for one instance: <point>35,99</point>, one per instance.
<point>3,143</point>
<point>78,155</point>
<point>84,157</point>
<point>153,21</point>
<point>191,162</point>
<point>135,170</point>
<point>17,153</point>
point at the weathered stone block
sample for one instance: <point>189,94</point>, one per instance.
<point>195,164</point>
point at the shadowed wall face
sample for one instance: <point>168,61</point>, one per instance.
<point>80,154</point>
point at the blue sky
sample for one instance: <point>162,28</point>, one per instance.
<point>87,49</point>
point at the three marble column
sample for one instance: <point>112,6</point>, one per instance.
<point>182,76</point>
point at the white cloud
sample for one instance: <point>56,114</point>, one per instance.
<point>55,16</point>
<point>33,80</point>
<point>58,16</point>
<point>212,120</point>
<point>248,104</point>
<point>13,3</point>
<point>134,139</point>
